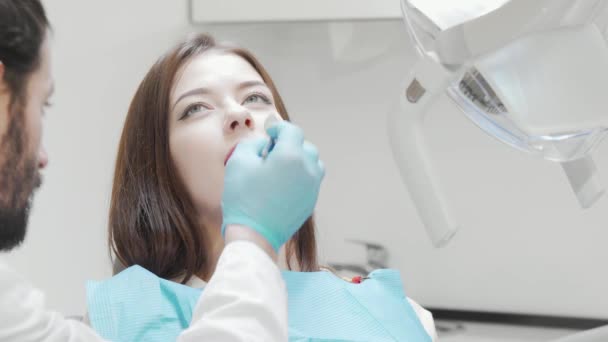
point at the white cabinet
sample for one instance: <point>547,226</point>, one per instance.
<point>237,11</point>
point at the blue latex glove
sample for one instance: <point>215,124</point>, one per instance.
<point>274,195</point>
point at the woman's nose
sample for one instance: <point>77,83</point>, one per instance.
<point>237,120</point>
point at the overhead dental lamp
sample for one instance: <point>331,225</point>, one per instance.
<point>533,74</point>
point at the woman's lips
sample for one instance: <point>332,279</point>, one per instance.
<point>229,155</point>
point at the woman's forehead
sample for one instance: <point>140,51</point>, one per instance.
<point>212,69</point>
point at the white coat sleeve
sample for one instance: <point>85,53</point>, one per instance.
<point>245,300</point>
<point>24,317</point>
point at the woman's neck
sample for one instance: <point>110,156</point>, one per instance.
<point>216,245</point>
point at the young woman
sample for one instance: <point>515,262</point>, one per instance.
<point>194,106</point>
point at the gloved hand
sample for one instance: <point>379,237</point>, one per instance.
<point>274,195</point>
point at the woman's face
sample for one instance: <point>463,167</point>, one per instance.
<point>217,100</point>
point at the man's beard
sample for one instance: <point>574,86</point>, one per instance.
<point>19,178</point>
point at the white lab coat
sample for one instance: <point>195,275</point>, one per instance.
<point>245,300</point>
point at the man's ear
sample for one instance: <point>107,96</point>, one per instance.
<point>3,87</point>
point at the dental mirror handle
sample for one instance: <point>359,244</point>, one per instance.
<point>270,120</point>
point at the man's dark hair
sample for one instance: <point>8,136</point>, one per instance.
<point>23,26</point>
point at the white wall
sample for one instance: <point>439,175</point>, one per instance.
<point>525,245</point>
<point>102,49</point>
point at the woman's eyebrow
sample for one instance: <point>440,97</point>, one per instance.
<point>195,91</point>
<point>249,84</point>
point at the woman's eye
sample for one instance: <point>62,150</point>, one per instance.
<point>256,98</point>
<point>193,109</point>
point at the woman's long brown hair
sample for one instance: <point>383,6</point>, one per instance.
<point>152,221</point>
